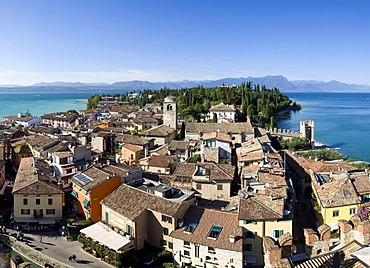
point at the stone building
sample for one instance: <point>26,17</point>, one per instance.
<point>170,112</point>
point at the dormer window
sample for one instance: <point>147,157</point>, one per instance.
<point>191,227</point>
<point>215,231</point>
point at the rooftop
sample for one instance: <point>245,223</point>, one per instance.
<point>199,223</point>
<point>130,202</point>
<point>239,127</point>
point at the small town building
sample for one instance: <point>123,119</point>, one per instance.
<point>38,199</point>
<point>208,238</point>
<point>225,113</point>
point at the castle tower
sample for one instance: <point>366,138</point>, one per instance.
<point>170,112</point>
<point>307,130</point>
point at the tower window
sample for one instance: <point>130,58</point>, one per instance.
<point>169,107</point>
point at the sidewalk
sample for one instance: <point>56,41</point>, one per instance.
<point>57,247</point>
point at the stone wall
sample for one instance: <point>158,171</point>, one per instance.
<point>30,253</point>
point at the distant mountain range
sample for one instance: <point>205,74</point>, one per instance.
<point>269,81</point>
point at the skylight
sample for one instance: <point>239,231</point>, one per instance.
<point>191,227</point>
<point>214,232</point>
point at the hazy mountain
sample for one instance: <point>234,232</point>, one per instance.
<point>68,84</point>
<point>332,86</point>
<point>269,81</point>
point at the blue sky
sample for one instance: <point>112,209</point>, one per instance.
<point>172,40</point>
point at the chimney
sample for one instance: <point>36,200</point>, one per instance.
<point>232,239</point>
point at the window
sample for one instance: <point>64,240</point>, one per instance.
<point>250,234</point>
<point>166,219</point>
<point>199,186</point>
<point>25,201</point>
<point>248,247</point>
<point>132,157</point>
<point>186,253</point>
<point>165,231</point>
<point>170,245</point>
<point>277,233</point>
<point>69,171</point>
<point>352,211</point>
<point>214,232</point>
<point>107,217</point>
<point>186,244</point>
<point>163,243</point>
<point>250,222</point>
<point>211,250</point>
<point>197,251</point>
<point>191,227</point>
<point>25,211</point>
<point>50,201</point>
<point>50,211</point>
<point>38,201</point>
<point>129,229</point>
<point>335,213</point>
<point>219,187</point>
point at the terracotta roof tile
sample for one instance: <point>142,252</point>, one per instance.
<point>161,160</point>
<point>160,131</point>
<point>206,218</point>
<point>260,207</point>
<point>133,147</point>
<point>238,127</point>
<point>31,179</point>
<point>131,202</point>
<point>217,135</point>
<point>361,181</point>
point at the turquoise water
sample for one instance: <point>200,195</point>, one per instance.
<point>342,120</point>
<point>41,103</point>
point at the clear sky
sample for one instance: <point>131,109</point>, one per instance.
<point>172,40</point>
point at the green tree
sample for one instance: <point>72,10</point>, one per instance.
<point>214,119</point>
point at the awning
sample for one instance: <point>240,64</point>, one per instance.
<point>47,221</point>
<point>333,225</point>
<point>3,188</point>
<point>108,237</point>
<point>74,193</point>
<point>86,202</point>
<point>26,220</point>
<point>250,259</point>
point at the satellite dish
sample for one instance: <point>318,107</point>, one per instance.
<point>243,195</point>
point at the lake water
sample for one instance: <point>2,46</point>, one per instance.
<point>341,120</point>
<point>41,103</point>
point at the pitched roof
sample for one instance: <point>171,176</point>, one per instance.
<point>131,202</point>
<point>133,139</point>
<point>133,147</point>
<point>217,172</point>
<point>159,131</point>
<point>61,116</point>
<point>238,127</point>
<point>336,258</point>
<point>338,191</point>
<point>95,175</point>
<point>361,181</point>
<point>41,142</point>
<point>178,145</point>
<point>260,207</point>
<point>206,218</point>
<point>217,135</point>
<point>222,107</point>
<point>161,160</point>
<point>22,118</point>
<point>33,179</point>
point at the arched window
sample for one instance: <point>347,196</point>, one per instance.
<point>169,107</point>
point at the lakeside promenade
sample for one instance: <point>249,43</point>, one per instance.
<point>58,248</point>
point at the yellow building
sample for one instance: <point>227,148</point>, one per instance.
<point>38,200</point>
<point>335,197</point>
<point>261,215</point>
<point>147,212</point>
<point>89,188</point>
